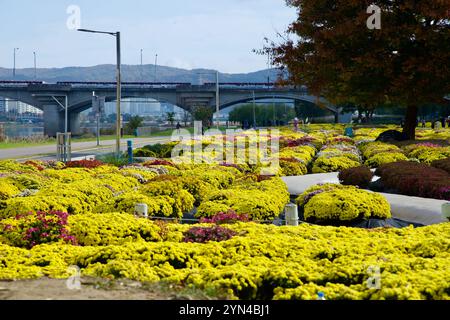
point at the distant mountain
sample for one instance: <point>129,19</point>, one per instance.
<point>135,73</point>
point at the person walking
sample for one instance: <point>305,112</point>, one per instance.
<point>296,124</point>
<point>178,128</point>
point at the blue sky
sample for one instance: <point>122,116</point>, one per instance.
<point>216,34</point>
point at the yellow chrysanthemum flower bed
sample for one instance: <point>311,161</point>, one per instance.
<point>263,200</point>
<point>74,190</point>
<point>294,161</point>
<point>427,153</point>
<point>371,149</point>
<point>7,190</point>
<point>385,157</point>
<point>167,191</point>
<point>379,153</point>
<point>334,202</point>
<point>338,154</point>
<point>333,164</point>
<point>261,262</point>
<point>431,134</point>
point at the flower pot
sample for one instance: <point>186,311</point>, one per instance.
<point>446,210</point>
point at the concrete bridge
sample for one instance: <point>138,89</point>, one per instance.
<point>50,97</point>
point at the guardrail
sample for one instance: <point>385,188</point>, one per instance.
<point>16,84</point>
<point>110,84</point>
<point>124,84</point>
<point>19,82</point>
<point>243,84</point>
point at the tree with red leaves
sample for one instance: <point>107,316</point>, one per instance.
<point>336,55</point>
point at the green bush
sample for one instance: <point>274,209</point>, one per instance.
<point>144,153</point>
<point>160,150</point>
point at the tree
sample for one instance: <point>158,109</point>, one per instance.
<point>186,117</point>
<point>304,109</point>
<point>204,114</point>
<point>265,114</point>
<point>134,122</point>
<point>171,118</point>
<point>336,55</point>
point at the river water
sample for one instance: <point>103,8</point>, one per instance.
<point>22,130</point>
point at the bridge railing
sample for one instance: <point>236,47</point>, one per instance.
<point>125,84</point>
<point>7,83</point>
<point>242,84</point>
<point>149,85</point>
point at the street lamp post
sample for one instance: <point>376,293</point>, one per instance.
<point>119,87</point>
<point>142,71</point>
<point>14,67</point>
<point>217,100</point>
<point>156,63</point>
<point>35,73</point>
<point>274,112</point>
<point>254,111</point>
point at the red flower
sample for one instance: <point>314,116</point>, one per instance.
<point>47,227</point>
<point>205,234</point>
<point>230,217</point>
<point>88,164</point>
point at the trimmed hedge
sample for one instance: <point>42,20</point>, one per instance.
<point>415,179</point>
<point>379,153</point>
<point>332,202</point>
<point>323,165</point>
<point>443,164</point>
<point>359,176</point>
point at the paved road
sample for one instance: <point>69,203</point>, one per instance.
<point>78,148</point>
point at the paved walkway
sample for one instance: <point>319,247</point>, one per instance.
<point>78,148</point>
<point>413,209</point>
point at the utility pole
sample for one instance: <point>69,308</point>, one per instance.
<point>217,100</point>
<point>35,73</point>
<point>274,113</point>
<point>142,71</point>
<point>14,67</point>
<point>254,111</point>
<point>97,115</point>
<point>156,63</point>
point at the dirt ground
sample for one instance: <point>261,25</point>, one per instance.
<point>93,289</point>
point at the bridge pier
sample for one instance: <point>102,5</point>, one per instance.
<point>74,123</point>
<point>53,120</point>
<point>342,117</point>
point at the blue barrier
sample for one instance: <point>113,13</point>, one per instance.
<point>130,151</point>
